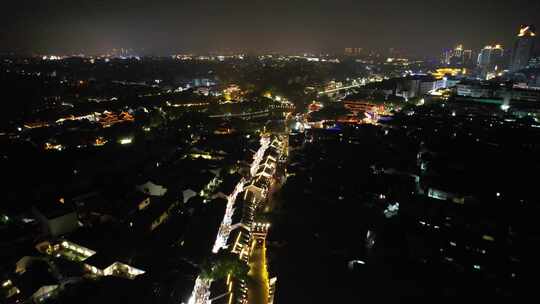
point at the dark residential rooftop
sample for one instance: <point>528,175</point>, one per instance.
<point>52,209</point>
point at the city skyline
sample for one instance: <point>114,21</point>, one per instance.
<point>269,152</point>
<point>167,27</point>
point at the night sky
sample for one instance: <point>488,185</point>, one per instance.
<point>161,27</point>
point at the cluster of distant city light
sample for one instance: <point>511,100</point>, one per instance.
<point>52,57</point>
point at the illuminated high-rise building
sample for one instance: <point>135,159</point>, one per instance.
<point>458,51</point>
<point>491,56</point>
<point>523,48</point>
<point>467,56</point>
<point>496,60</point>
<point>457,56</point>
<point>483,57</point>
<point>353,51</point>
<point>446,56</point>
<point>497,51</point>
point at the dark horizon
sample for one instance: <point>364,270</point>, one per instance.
<point>418,27</point>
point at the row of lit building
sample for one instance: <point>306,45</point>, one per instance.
<point>491,57</point>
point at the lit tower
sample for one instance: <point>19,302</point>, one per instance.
<point>467,56</point>
<point>491,56</point>
<point>458,51</point>
<point>523,48</point>
<point>484,56</point>
<point>496,57</point>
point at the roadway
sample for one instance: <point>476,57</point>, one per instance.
<point>258,282</point>
<point>340,88</point>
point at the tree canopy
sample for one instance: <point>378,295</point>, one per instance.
<point>222,264</point>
